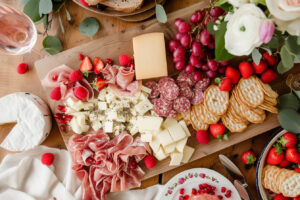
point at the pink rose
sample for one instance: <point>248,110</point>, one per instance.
<point>266,31</point>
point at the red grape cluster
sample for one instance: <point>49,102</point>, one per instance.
<point>193,47</point>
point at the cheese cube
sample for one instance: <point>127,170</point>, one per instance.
<point>160,154</point>
<point>102,94</point>
<point>143,107</point>
<point>145,89</point>
<point>74,126</point>
<point>81,119</point>
<point>143,96</point>
<point>101,117</point>
<point>177,133</point>
<point>149,123</point>
<point>133,129</point>
<point>111,115</point>
<point>176,158</point>
<point>110,97</point>
<point>187,153</point>
<point>96,125</point>
<point>164,137</point>
<point>185,128</point>
<point>120,117</point>
<point>88,106</point>
<point>93,117</point>
<point>102,105</point>
<point>170,148</point>
<point>181,144</point>
<point>169,122</point>
<point>150,56</point>
<point>108,126</point>
<point>146,137</point>
<point>154,144</point>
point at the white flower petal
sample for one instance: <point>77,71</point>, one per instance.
<point>276,8</point>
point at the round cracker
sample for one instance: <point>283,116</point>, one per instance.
<point>232,126</point>
<point>215,100</point>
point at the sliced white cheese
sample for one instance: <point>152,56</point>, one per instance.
<point>75,126</point>
<point>164,137</point>
<point>176,131</point>
<point>33,119</point>
<point>170,148</point>
<point>145,89</point>
<point>176,158</point>
<point>160,154</point>
<point>108,126</point>
<point>169,122</point>
<point>154,144</point>
<point>187,153</point>
<point>149,123</point>
<point>146,137</point>
<point>181,144</point>
<point>185,128</point>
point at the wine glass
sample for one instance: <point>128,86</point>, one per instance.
<point>17,31</point>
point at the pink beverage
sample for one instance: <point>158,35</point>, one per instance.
<point>17,32</point>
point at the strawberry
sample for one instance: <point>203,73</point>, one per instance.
<point>99,65</point>
<point>245,69</point>
<point>288,140</point>
<point>124,59</point>
<point>260,68</point>
<point>297,170</point>
<point>55,94</point>
<point>285,163</point>
<point>202,137</point>
<point>149,161</point>
<point>280,197</point>
<point>84,3</point>
<point>292,155</point>
<point>269,76</point>
<point>76,75</point>
<point>22,68</point>
<point>249,157</point>
<point>80,56</point>
<point>296,198</point>
<point>233,74</point>
<point>271,60</point>
<point>47,158</point>
<point>275,156</point>
<point>226,85</point>
<point>99,84</point>
<point>218,131</point>
<point>86,66</point>
<point>80,92</point>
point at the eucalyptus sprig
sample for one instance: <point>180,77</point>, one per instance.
<point>160,13</point>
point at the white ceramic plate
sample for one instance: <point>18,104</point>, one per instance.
<point>190,179</point>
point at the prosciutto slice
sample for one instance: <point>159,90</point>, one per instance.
<point>104,165</point>
<point>61,80</point>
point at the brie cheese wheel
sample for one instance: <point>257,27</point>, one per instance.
<point>33,119</point>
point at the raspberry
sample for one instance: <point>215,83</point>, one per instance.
<point>109,61</point>
<point>56,94</point>
<point>80,56</point>
<point>47,158</point>
<point>80,92</point>
<point>22,68</point>
<point>76,75</point>
<point>124,59</point>
<point>194,191</point>
<point>223,189</point>
<point>149,161</point>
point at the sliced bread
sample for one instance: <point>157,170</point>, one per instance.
<point>127,6</point>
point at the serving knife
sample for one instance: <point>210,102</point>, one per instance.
<point>239,179</point>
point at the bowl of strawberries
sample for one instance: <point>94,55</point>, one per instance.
<point>278,168</point>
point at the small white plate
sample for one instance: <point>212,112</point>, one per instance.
<point>190,179</point>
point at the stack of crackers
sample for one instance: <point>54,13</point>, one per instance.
<point>247,103</point>
<point>281,181</point>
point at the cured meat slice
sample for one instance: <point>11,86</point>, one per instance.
<point>198,97</point>
<point>186,90</point>
<point>125,76</point>
<point>154,89</point>
<point>202,84</point>
<point>186,77</point>
<point>182,104</point>
<point>168,88</point>
<point>109,73</point>
<point>131,89</point>
<point>172,113</point>
<point>162,107</point>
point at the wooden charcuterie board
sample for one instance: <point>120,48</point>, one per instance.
<point>114,45</point>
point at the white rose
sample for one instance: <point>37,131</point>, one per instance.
<point>286,15</point>
<point>238,3</point>
<point>242,34</point>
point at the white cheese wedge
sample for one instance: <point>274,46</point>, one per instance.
<point>75,126</point>
<point>170,148</point>
<point>187,153</point>
<point>185,128</point>
<point>33,119</point>
<point>143,107</point>
<point>149,123</point>
<point>146,137</point>
<point>176,131</point>
<point>160,154</point>
<point>145,89</point>
<point>181,144</point>
<point>176,158</point>
<point>154,144</point>
<point>164,137</point>
<point>150,56</point>
<point>169,122</point>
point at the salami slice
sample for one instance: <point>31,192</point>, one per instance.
<point>185,90</point>
<point>153,100</point>
<point>172,113</point>
<point>181,104</point>
<point>198,97</point>
<point>154,89</point>
<point>162,107</point>
<point>168,89</point>
<point>202,84</point>
<point>185,77</point>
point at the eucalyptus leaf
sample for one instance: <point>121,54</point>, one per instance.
<point>210,27</point>
<point>45,21</point>
<point>23,2</point>
<point>297,59</point>
<point>292,45</point>
<point>289,120</point>
<point>220,2</point>
<point>45,7</point>
<point>40,21</point>
<point>68,15</point>
<point>31,9</point>
<point>267,50</point>
<point>298,40</point>
<point>227,7</point>
<point>61,24</point>
<point>256,56</point>
<point>274,43</point>
<point>288,101</point>
<point>89,26</point>
<point>52,45</point>
<point>221,54</point>
<point>161,15</point>
<point>281,68</point>
<point>286,58</point>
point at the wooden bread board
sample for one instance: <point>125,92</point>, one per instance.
<point>120,43</point>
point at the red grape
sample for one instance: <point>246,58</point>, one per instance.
<point>179,53</point>
<point>210,54</point>
<point>212,65</point>
<point>189,68</point>
<point>199,65</point>
<point>197,76</point>
<point>180,64</point>
<point>206,20</point>
<point>194,60</point>
<point>196,17</point>
<point>185,40</point>
<point>214,19</point>
<point>196,48</point>
<point>216,11</point>
<point>205,37</point>
<point>223,63</point>
<point>175,60</point>
<point>205,67</point>
<point>177,21</point>
<point>178,36</point>
<point>173,44</point>
<point>222,69</point>
<point>211,45</point>
<point>211,74</point>
<point>184,27</point>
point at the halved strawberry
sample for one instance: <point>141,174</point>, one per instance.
<point>98,65</point>
<point>86,66</point>
<point>99,84</point>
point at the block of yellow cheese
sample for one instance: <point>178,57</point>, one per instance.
<point>150,56</point>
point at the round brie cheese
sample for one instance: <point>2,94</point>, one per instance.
<point>33,119</point>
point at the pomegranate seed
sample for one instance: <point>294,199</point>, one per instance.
<point>89,160</point>
<point>228,191</point>
<point>57,115</point>
<point>109,61</point>
<point>202,175</point>
<point>61,121</point>
<point>205,185</point>
<point>181,191</point>
<point>66,121</point>
<point>220,197</point>
<point>227,195</point>
<point>194,191</point>
<point>61,108</point>
<point>80,56</point>
<point>54,78</point>
<point>181,198</point>
<point>69,116</point>
<point>98,162</point>
<point>212,193</point>
<point>133,164</point>
<point>187,197</point>
<point>223,189</point>
<point>213,188</point>
<point>63,127</point>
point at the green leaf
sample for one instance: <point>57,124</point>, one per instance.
<point>227,7</point>
<point>45,7</point>
<point>281,68</point>
<point>274,43</point>
<point>286,58</point>
<point>31,9</point>
<point>52,45</point>
<point>289,120</point>
<point>161,15</point>
<point>262,2</point>
<point>292,45</point>
<point>218,80</point>
<point>220,2</point>
<point>297,93</point>
<point>61,24</point>
<point>297,59</point>
<point>256,56</point>
<point>288,101</point>
<point>89,26</point>
<point>298,40</point>
<point>221,54</point>
<point>267,50</point>
<point>68,15</point>
<point>210,27</point>
<point>45,21</point>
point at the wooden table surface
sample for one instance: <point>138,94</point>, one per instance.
<point>11,81</point>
